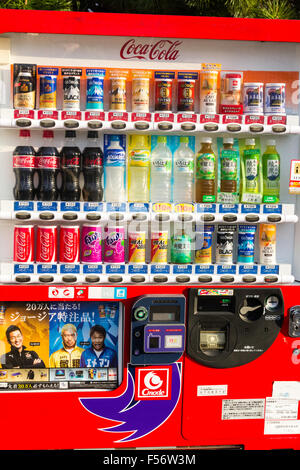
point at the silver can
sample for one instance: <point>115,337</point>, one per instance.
<point>275,98</point>
<point>253,98</point>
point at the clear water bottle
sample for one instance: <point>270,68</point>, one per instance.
<point>183,188</point>
<point>114,171</point>
<point>161,172</point>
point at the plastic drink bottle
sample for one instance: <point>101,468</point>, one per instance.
<point>205,172</point>
<point>92,168</point>
<point>271,173</point>
<point>114,171</point>
<point>183,188</point>
<point>70,166</point>
<point>251,172</point>
<point>24,168</point>
<point>161,171</point>
<point>138,169</point>
<point>47,166</point>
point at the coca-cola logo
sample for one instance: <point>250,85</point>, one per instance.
<point>47,162</point>
<point>22,243</point>
<point>26,161</point>
<point>70,246</point>
<point>46,247</point>
<point>163,49</point>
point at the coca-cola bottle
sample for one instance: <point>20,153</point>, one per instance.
<point>47,167</point>
<point>24,168</point>
<point>70,165</point>
<point>92,157</point>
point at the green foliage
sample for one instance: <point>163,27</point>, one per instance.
<point>272,9</point>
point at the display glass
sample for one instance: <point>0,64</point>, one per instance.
<point>60,345</point>
<point>164,313</point>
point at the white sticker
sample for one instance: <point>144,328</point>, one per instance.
<point>243,409</point>
<point>289,389</point>
<point>211,390</point>
<point>282,427</point>
<point>281,408</point>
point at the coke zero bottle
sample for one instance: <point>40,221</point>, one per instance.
<point>47,167</point>
<point>92,157</point>
<point>70,165</point>
<point>23,167</point>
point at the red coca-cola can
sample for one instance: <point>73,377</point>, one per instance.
<point>46,244</point>
<point>69,240</point>
<point>24,243</point>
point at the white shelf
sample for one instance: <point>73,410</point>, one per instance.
<point>150,122</point>
<point>35,211</point>
<point>144,274</point>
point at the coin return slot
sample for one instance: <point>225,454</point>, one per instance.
<point>23,215</point>
<point>212,342</point>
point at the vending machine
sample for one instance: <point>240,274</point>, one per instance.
<point>149,227</point>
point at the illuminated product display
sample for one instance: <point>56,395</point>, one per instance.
<point>149,270</point>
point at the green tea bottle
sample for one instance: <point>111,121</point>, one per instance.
<point>271,173</point>
<point>251,172</point>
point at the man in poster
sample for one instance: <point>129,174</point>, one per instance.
<point>19,357</point>
<point>98,355</point>
<point>69,355</point>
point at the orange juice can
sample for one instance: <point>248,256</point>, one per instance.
<point>267,244</point>
<point>159,247</point>
<point>137,247</point>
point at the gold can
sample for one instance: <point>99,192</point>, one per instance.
<point>267,244</point>
<point>117,91</point>
<point>140,93</point>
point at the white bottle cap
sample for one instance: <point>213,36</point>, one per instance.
<point>250,142</point>
<point>228,140</point>
<point>206,140</point>
<point>271,142</point>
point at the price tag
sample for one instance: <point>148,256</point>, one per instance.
<point>294,185</point>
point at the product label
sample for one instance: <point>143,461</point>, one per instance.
<point>47,162</point>
<point>184,165</point>
<point>229,159</point>
<point>206,166</point>
<point>162,165</point>
<point>23,161</point>
<point>181,249</point>
<point>114,157</point>
<point>140,158</point>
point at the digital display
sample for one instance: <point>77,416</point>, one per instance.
<point>164,313</point>
<point>215,303</point>
<point>60,345</point>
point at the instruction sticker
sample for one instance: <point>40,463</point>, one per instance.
<point>243,409</point>
<point>211,390</point>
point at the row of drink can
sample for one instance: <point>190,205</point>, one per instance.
<point>255,97</point>
<point>74,244</point>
